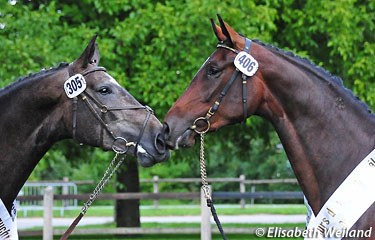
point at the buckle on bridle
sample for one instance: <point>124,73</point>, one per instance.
<point>149,109</point>
<point>104,109</point>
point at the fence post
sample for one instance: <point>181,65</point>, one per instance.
<point>156,190</point>
<point>242,190</point>
<point>65,191</point>
<point>47,214</point>
<point>205,217</point>
<point>253,191</point>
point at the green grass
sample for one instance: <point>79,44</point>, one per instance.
<point>184,210</point>
<point>162,237</point>
<point>177,236</point>
<point>181,211</point>
<point>197,225</point>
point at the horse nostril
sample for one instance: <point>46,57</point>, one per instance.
<point>166,129</point>
<point>160,145</point>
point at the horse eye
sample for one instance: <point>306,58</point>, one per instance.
<point>213,71</point>
<point>105,90</point>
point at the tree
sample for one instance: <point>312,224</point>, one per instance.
<point>127,211</point>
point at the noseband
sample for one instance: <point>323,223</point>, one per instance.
<point>213,109</point>
<point>120,144</point>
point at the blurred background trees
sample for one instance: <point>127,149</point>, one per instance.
<point>154,48</point>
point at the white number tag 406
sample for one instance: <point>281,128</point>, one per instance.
<point>246,63</point>
<point>75,85</point>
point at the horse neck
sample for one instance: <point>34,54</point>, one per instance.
<point>325,131</point>
<point>29,125</point>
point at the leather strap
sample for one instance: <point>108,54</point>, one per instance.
<point>72,227</point>
<point>244,83</point>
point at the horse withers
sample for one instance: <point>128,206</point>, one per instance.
<point>79,100</point>
<point>325,130</point>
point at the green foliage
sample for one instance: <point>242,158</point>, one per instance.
<point>154,48</point>
<point>339,35</point>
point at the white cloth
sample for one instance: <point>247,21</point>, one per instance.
<point>347,204</point>
<point>8,222</point>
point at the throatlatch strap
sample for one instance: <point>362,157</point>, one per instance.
<point>75,107</point>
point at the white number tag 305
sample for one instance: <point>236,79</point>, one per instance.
<point>246,63</point>
<point>75,85</point>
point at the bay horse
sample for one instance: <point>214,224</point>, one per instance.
<point>325,130</point>
<point>37,111</point>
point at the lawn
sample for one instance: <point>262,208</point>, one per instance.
<point>183,210</point>
<point>163,237</point>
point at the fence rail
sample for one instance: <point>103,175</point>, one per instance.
<point>241,180</point>
<point>222,180</point>
<point>69,189</point>
<point>171,195</point>
<point>38,188</point>
<point>205,230</point>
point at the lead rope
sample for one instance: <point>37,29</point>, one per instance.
<point>205,188</point>
<point>113,166</point>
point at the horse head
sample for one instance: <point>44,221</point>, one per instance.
<point>213,87</point>
<point>105,115</point>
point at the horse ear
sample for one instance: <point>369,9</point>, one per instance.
<point>90,56</point>
<point>217,30</point>
<point>224,29</point>
<point>231,35</point>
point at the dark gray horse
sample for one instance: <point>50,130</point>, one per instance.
<point>36,112</point>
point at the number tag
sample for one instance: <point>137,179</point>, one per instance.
<point>246,63</point>
<point>75,85</point>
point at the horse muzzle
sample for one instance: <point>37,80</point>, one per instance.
<point>175,140</point>
<point>147,159</point>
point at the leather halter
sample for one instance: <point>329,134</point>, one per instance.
<point>88,99</point>
<point>213,109</point>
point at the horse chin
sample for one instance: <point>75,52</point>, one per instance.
<point>144,158</point>
<point>186,140</point>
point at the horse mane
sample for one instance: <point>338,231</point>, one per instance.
<point>32,76</point>
<point>319,71</point>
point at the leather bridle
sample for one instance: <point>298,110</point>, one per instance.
<point>206,119</point>
<point>90,101</point>
<point>120,144</point>
<point>214,108</point>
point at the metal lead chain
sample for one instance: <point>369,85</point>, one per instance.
<point>113,166</point>
<point>206,190</point>
<point>203,170</point>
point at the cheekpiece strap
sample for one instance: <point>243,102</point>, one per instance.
<point>244,83</point>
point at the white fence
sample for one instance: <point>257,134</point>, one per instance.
<point>37,188</point>
<point>63,198</point>
<point>205,230</point>
<point>49,232</point>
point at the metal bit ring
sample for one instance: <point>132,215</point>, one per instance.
<point>194,127</point>
<point>117,146</point>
